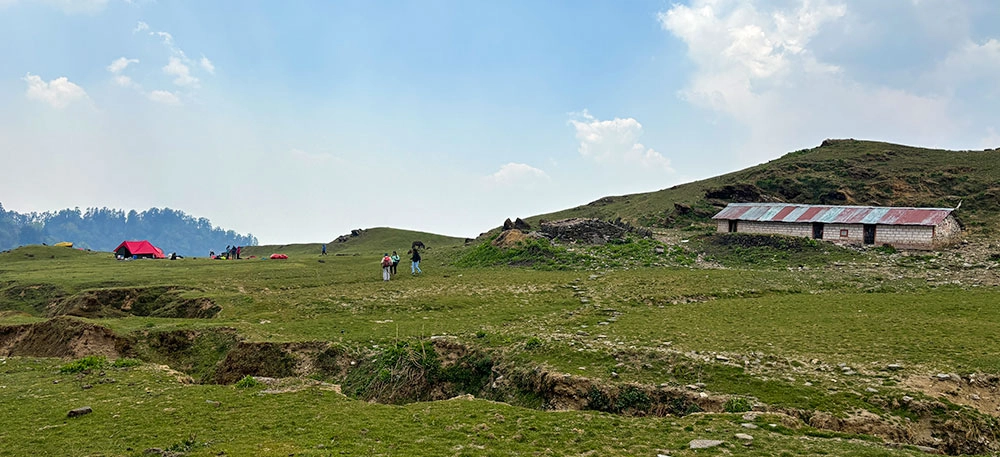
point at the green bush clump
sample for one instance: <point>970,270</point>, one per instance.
<point>533,343</point>
<point>126,363</point>
<point>87,363</point>
<point>886,249</point>
<point>248,382</point>
<point>737,405</point>
<point>537,253</point>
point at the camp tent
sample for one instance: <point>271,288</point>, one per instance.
<point>141,249</point>
<point>63,244</point>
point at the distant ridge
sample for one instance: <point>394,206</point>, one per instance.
<point>102,229</point>
<point>372,242</point>
<point>840,172</point>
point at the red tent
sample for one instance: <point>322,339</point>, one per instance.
<point>140,249</point>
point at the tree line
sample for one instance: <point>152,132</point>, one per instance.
<point>103,229</point>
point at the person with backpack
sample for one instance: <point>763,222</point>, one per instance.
<point>395,261</point>
<point>386,265</point>
<point>415,266</point>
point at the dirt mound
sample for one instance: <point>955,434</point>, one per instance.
<point>60,337</point>
<point>161,301</point>
<point>510,238</point>
<point>273,360</point>
<point>30,298</point>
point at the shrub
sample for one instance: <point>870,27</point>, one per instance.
<point>248,382</point>
<point>737,405</point>
<point>886,249</point>
<point>87,363</point>
<point>533,343</point>
<point>126,363</point>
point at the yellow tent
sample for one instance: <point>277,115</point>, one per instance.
<point>64,244</point>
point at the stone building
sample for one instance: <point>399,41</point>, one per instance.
<point>904,228</point>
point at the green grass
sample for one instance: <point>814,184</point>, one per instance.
<point>617,314</point>
<point>145,408</point>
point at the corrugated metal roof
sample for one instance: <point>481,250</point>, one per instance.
<point>788,212</point>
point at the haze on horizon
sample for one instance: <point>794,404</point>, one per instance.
<point>299,122</point>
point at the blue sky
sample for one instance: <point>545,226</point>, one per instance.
<point>298,121</point>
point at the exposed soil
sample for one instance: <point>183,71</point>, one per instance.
<point>60,337</point>
<point>165,301</point>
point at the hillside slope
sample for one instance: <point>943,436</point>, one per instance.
<point>840,172</point>
<point>373,241</point>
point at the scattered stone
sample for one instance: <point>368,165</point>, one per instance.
<point>722,358</point>
<point>749,426</point>
<point>584,300</point>
<point>55,382</point>
<point>658,250</point>
<point>850,373</point>
<point>893,367</point>
<point>976,397</point>
<point>751,416</point>
<point>521,225</point>
<point>214,403</point>
<point>871,390</point>
<point>943,377</point>
<point>928,450</point>
<point>704,444</point>
<point>807,383</point>
<point>692,387</point>
<point>86,386</point>
<point>593,277</point>
<point>744,436</point>
<point>80,411</point>
<point>907,398</point>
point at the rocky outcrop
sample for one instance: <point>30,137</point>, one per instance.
<point>594,231</point>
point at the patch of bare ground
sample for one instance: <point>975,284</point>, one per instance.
<point>164,301</point>
<point>290,385</point>
<point>978,391</point>
<point>60,337</point>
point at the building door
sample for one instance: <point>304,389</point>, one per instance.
<point>869,234</point>
<point>817,230</point>
<point>733,226</point>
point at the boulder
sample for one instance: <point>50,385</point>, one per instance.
<point>704,444</point>
<point>80,411</point>
<point>521,225</point>
<point>507,224</point>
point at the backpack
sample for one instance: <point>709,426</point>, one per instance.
<point>386,261</point>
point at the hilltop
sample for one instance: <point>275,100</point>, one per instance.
<point>371,242</point>
<point>838,172</point>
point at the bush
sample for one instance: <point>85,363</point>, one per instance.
<point>737,405</point>
<point>533,343</point>
<point>248,382</point>
<point>126,363</point>
<point>886,249</point>
<point>87,363</point>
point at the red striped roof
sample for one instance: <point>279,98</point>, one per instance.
<point>787,212</point>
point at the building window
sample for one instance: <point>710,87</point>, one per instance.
<point>843,233</point>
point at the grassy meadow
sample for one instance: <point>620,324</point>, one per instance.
<point>573,350</point>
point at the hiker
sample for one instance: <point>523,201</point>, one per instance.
<point>395,261</point>
<point>238,249</point>
<point>415,265</point>
<point>324,250</point>
<point>386,265</point>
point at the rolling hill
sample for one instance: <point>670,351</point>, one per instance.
<point>839,172</point>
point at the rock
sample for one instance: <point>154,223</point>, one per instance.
<point>893,367</point>
<point>722,358</point>
<point>86,386</point>
<point>850,373</point>
<point>744,437</point>
<point>871,390</point>
<point>658,250</point>
<point>521,225</point>
<point>928,450</point>
<point>507,224</point>
<point>593,231</point>
<point>80,411</point>
<point>704,444</point>
<point>692,387</point>
<point>681,208</point>
<point>976,397</point>
<point>750,416</point>
<point>907,398</point>
<point>943,377</point>
<point>748,425</point>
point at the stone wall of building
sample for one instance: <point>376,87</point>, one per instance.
<point>947,231</point>
<point>775,228</point>
<point>845,233</point>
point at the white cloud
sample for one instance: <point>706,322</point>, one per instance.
<point>970,62</point>
<point>207,65</point>
<point>517,174</point>
<point>120,64</point>
<point>140,27</point>
<point>164,97</point>
<point>167,38</point>
<point>616,142</point>
<point>125,81</point>
<point>755,64</point>
<point>58,93</point>
<point>177,68</point>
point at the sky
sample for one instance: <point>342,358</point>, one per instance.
<point>299,121</point>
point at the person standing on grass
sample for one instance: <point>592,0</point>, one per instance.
<point>386,266</point>
<point>324,250</point>
<point>415,266</point>
<point>395,261</point>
